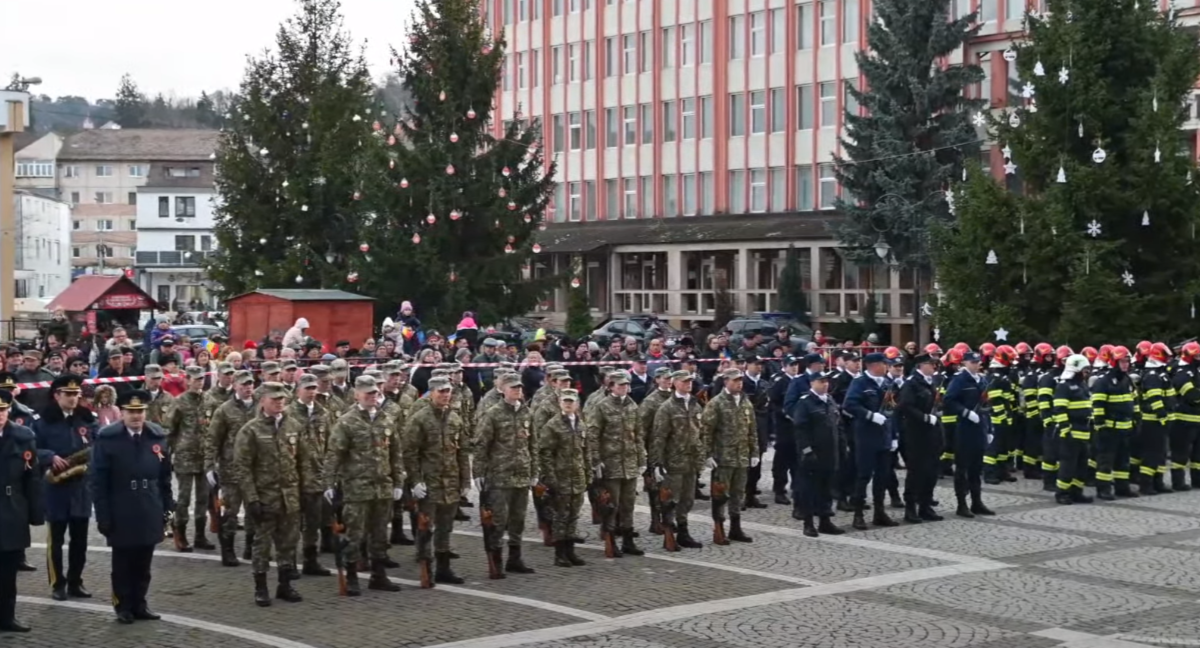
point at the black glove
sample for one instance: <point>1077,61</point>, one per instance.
<point>254,510</point>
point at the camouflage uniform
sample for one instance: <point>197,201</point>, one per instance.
<point>316,514</point>
<point>462,402</point>
<point>214,398</point>
<point>160,401</point>
<point>615,426</point>
<point>729,436</point>
<point>504,451</point>
<point>434,456</point>
<point>646,411</point>
<point>186,425</point>
<point>676,447</point>
<point>565,466</point>
<point>218,457</point>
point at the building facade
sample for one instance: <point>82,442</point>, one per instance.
<point>37,164</point>
<point>175,233</point>
<point>99,174</point>
<point>695,142</point>
<point>43,238</point>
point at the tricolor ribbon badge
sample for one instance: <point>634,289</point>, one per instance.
<point>157,450</point>
<point>83,435</point>
<point>28,457</point>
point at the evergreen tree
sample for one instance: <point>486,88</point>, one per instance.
<point>293,161</point>
<point>914,133</point>
<point>460,202</point>
<point>792,299</point>
<point>206,114</point>
<point>131,104</point>
<point>1098,150</point>
<point>579,313</point>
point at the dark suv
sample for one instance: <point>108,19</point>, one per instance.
<point>767,325</point>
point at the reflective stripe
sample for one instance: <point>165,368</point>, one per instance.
<point>1123,425</point>
<point>1121,474</point>
<point>990,461</point>
<point>1147,470</point>
<point>1151,393</point>
<point>1104,476</point>
<point>1134,461</point>
<point>947,456</point>
<point>1099,396</point>
<point>1092,464</point>
<point>1062,485</point>
<point>1079,404</point>
<point>1049,466</point>
<point>1077,483</point>
<point>1032,461</point>
<point>949,418</point>
<point>1187,387</point>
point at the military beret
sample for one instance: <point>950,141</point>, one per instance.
<point>682,375</point>
<point>270,367</point>
<point>6,399</point>
<point>274,390</point>
<point>320,371</point>
<point>67,384</point>
<point>308,381</point>
<point>243,377</point>
<point>288,363</point>
<point>732,374</point>
<point>138,399</point>
<point>225,369</point>
<point>568,394</point>
<point>153,371</point>
<point>193,372</point>
<point>662,371</point>
<point>439,384</point>
<point>365,384</point>
<point>619,378</point>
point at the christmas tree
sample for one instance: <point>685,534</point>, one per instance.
<point>792,299</point>
<point>579,312</point>
<point>914,132</point>
<point>130,104</point>
<point>292,159</point>
<point>1095,143</point>
<point>460,202</point>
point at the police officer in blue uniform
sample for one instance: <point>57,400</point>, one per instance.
<point>65,434</point>
<point>785,448</point>
<point>818,446</point>
<point>20,506</point>
<point>873,440</point>
<point>130,480</point>
<point>964,400</point>
<point>21,415</point>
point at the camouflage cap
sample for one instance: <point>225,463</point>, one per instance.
<point>552,367</point>
<point>508,380</point>
<point>274,390</point>
<point>732,374</point>
<point>390,369</point>
<point>365,384</point>
<point>568,395</point>
<point>288,363</point>
<point>339,366</point>
<point>606,370</point>
<point>439,373</point>
<point>662,372</point>
<point>455,368</point>
<point>152,371</point>
<point>374,373</point>
<point>225,369</point>
<point>307,381</point>
<point>193,372</point>
<point>439,384</point>
<point>269,368</point>
<point>502,371</point>
<point>682,375</point>
<point>243,377</point>
<point>619,378</point>
<point>320,371</point>
<point>560,374</point>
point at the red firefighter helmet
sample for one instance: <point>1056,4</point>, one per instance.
<point>1143,350</point>
<point>1119,353</point>
<point>1189,351</point>
<point>1159,352</point>
<point>891,353</point>
<point>1023,349</point>
<point>933,349</point>
<point>953,357</point>
<point>963,347</point>
<point>1106,354</point>
<point>987,349</point>
<point>1042,351</point>
<point>1090,353</point>
<point>1005,355</point>
<point>1062,353</point>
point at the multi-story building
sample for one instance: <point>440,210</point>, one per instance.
<point>175,233</point>
<point>43,238</point>
<point>695,142</point>
<point>37,155</point>
<point>99,173</point>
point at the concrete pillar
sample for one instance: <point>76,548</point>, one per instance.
<point>675,276</point>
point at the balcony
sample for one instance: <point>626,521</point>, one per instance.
<point>175,259</point>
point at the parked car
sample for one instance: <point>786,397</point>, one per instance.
<point>768,324</point>
<point>640,328</point>
<point>521,330</point>
<point>197,332</point>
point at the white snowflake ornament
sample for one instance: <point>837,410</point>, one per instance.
<point>979,120</point>
<point>1093,228</point>
<point>1064,75</point>
<point>1127,278</point>
<point>1027,90</point>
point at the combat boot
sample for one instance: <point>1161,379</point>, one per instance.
<point>262,598</point>
<point>311,566</point>
<point>352,587</point>
<point>1124,488</point>
<point>1177,481</point>
<point>810,530</point>
<point>827,527</point>
<point>752,502</point>
<point>560,554</point>
<point>627,546</point>
<point>719,537</point>
<point>1078,497</point>
<point>399,538</point>
<point>684,538</point>
<point>977,506</point>
<point>963,510</point>
<point>860,522</point>
<point>928,513</point>
<point>881,518</point>
<point>284,590</point>
<point>200,541</point>
<point>1104,491</point>
<point>910,513</point>
<point>575,560</point>
<point>1049,481</point>
<point>248,550</point>
<point>228,556</point>
<point>783,499</point>
<point>443,573</point>
<point>388,562</point>
<point>1160,484</point>
<point>735,530</point>
<point>180,538</point>
<point>379,579</point>
<point>1063,497</point>
<point>514,563</point>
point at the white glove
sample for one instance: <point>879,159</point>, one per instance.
<point>212,478</point>
<point>878,419</point>
<point>397,493</point>
<point>933,420</point>
<point>895,445</point>
<point>419,491</point>
<point>806,451</point>
<point>637,486</point>
<point>972,416</point>
<point>478,481</point>
<point>533,481</point>
<point>754,462</point>
<point>641,470</point>
<point>659,474</point>
<point>328,495</point>
<point>598,471</point>
<point>710,463</point>
<point>990,437</point>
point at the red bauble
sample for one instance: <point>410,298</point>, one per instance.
<point>508,249</point>
<point>449,169</point>
<point>537,248</point>
<point>431,219</point>
<point>455,214</point>
<point>416,239</point>
<point>364,248</point>
<point>404,183</point>
<point>512,206</point>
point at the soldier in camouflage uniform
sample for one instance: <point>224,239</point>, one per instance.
<point>435,459</point>
<point>646,412</point>
<point>218,462</point>
<point>160,401</point>
<point>504,453</point>
<point>730,438</point>
<point>325,396</point>
<point>316,513</point>
<point>424,401</point>
<point>364,457</point>
<point>290,372</point>
<point>621,454</point>
<point>396,404</point>
<point>462,401</point>
<point>676,453</point>
<point>548,392</point>
<point>268,372</point>
<point>339,375</point>
<point>564,465</point>
<point>186,426</point>
<point>595,398</point>
<point>550,405</point>
<point>493,396</point>
<point>220,391</point>
<point>269,466</point>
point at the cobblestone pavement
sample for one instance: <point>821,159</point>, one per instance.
<point>1109,575</point>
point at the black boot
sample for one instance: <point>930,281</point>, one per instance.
<point>1177,481</point>
<point>388,562</point>
<point>76,590</point>
<point>977,506</point>
<point>782,498</point>
<point>443,573</point>
<point>810,530</point>
<point>1078,497</point>
<point>311,566</point>
<point>963,511</point>
<point>1063,497</point>
<point>247,552</point>
<point>200,540</point>
<point>910,513</point>
<point>560,554</point>
<point>860,522</point>
<point>735,530</point>
<point>12,625</point>
<point>1160,484</point>
<point>627,545</point>
<point>991,476</point>
<point>1104,491</point>
<point>514,564</point>
<point>379,579</point>
<point>398,536</point>
<point>228,556</point>
<point>844,506</point>
<point>1124,488</point>
<point>59,592</point>
<point>352,587</point>
<point>463,502</point>
<point>1049,482</point>
<point>684,538</point>
<point>284,590</point>
<point>575,560</point>
<point>753,503</point>
<point>881,518</point>
<point>827,526</point>
<point>262,598</point>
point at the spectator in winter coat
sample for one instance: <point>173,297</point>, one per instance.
<point>410,329</point>
<point>160,332</point>
<point>295,336</point>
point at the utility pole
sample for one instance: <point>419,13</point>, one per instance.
<point>14,118</point>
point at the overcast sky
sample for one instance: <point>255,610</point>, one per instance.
<point>80,47</point>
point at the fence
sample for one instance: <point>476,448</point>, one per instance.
<point>21,329</point>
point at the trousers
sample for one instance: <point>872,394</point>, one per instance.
<point>1152,448</point>
<point>814,488</point>
<point>193,489</point>
<point>968,467</point>
<point>368,521</point>
<point>1185,450</point>
<point>872,465</point>
<point>683,489</point>
<point>131,577</point>
<point>315,514</point>
<point>922,458</point>
<point>1072,463</point>
<point>76,556</point>
<point>509,506</point>
<point>564,514</point>
<point>8,583</point>
<point>1112,455</point>
<point>784,465</point>
<point>624,494</point>
<point>735,491</point>
<point>231,504</point>
<point>441,518</point>
<point>280,529</point>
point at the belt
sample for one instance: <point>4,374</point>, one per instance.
<point>133,484</point>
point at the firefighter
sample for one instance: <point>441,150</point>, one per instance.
<point>1157,404</point>
<point>1072,414</point>
<point>1001,401</point>
<point>950,365</point>
<point>1028,425</point>
<point>1185,453</point>
<point>1114,410</point>
<point>1045,396</point>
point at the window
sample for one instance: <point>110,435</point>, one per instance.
<point>70,171</point>
<point>610,56</point>
<point>104,171</point>
<point>104,225</point>
<point>804,188</point>
<point>75,198</point>
<point>556,55</point>
<point>960,8</point>
<point>75,224</point>
<point>575,201</point>
<point>668,47</point>
<point>737,37</point>
<point>804,26</point>
<point>560,133</point>
<point>708,193</point>
<point>804,107</point>
<point>521,70</point>
<point>828,186</point>
<point>75,253</point>
<point>828,22</point>
<point>185,242</point>
<point>689,194</point>
<point>206,243</point>
<point>649,209</point>
<point>737,115</point>
<point>848,99</point>
<point>610,128</point>
<point>535,68</point>
<point>588,57</point>
<point>1016,10</point>
<point>103,197</point>
<point>185,207</point>
<point>687,121</point>
<point>778,110</point>
<point>985,86</point>
<point>987,10</point>
<point>131,198</point>
<point>35,169</point>
<point>758,112</point>
<point>132,224</point>
<point>508,72</point>
<point>828,103</point>
<point>630,118</point>
<point>137,171</point>
<point>670,199</point>
<point>589,200</point>
<point>686,42</point>
<point>647,123</point>
<point>668,121</point>
<point>850,22</point>
<point>629,53</point>
<point>575,131</point>
<point>706,117</point>
<point>737,192</point>
<point>629,208</point>
<point>589,123</point>
<point>573,55</point>
<point>706,42</point>
<point>778,188</point>
<point>181,172</point>
<point>645,52</point>
<point>1014,85</point>
<point>612,198</point>
<point>758,191</point>
<point>758,33</point>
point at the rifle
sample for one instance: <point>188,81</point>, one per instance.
<point>666,502</point>
<point>339,542</point>
<point>488,522</point>
<point>214,506</point>
<point>605,507</point>
<point>720,496</point>
<point>541,497</point>
<point>424,537</point>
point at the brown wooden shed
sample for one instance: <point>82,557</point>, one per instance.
<point>332,315</point>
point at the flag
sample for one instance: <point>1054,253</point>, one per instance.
<point>211,347</point>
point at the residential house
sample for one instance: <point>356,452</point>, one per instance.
<point>43,239</point>
<point>37,154</point>
<point>175,233</point>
